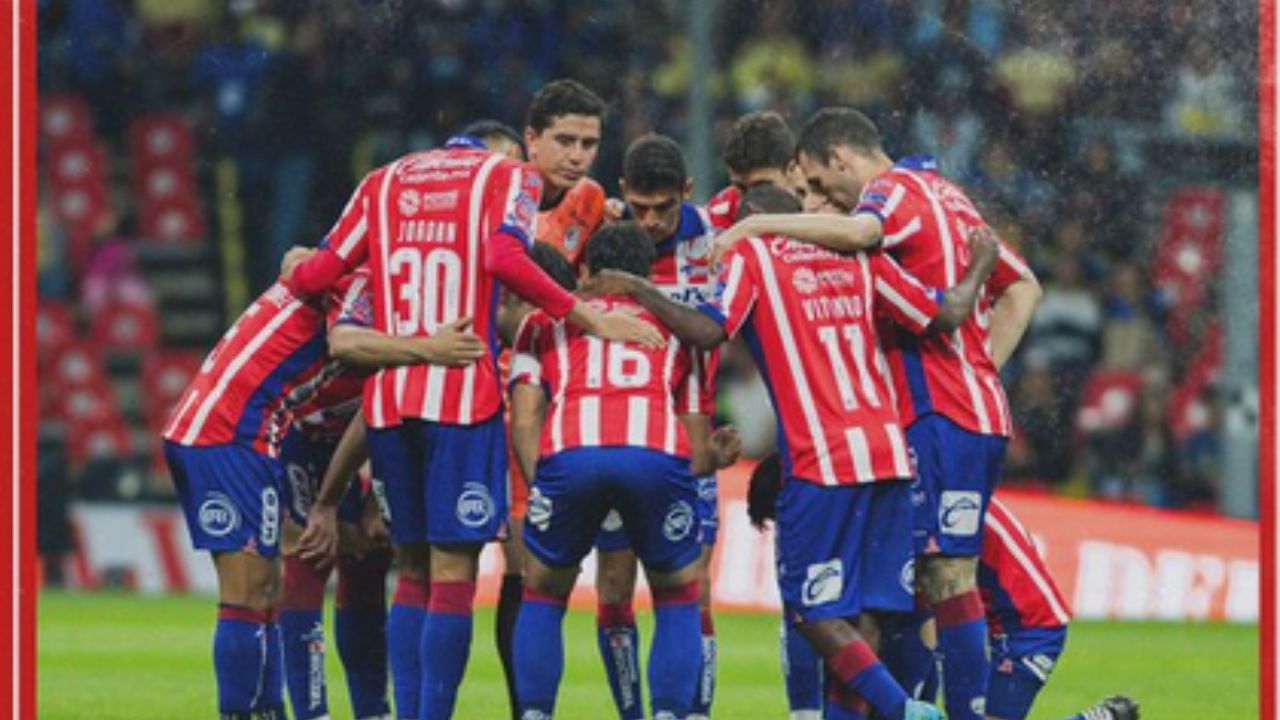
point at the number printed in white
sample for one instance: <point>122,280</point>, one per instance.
<point>831,337</point>
<point>625,367</point>
<point>430,289</point>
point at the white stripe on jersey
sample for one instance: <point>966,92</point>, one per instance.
<point>803,394</point>
<point>901,466</point>
<point>997,395</point>
<point>668,367</point>
<point>181,413</point>
<point>907,231</point>
<point>895,197</point>
<point>901,303</point>
<point>526,364</point>
<point>589,421</point>
<point>1029,567</point>
<point>354,237</point>
<point>562,359</point>
<point>392,321</point>
<point>476,224</point>
<point>949,266</point>
<point>861,454</point>
<point>733,282</point>
<point>232,368</point>
<point>638,421</point>
<point>1009,258</point>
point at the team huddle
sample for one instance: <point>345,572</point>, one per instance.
<point>521,360</point>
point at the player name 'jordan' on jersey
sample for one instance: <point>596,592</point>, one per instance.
<point>423,224</point>
<point>273,361</point>
<point>809,318</point>
<point>603,393</point>
<point>926,221</point>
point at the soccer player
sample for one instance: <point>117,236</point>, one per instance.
<point>1027,618</point>
<point>948,392</point>
<point>656,188</point>
<point>586,467</point>
<point>810,320</point>
<point>562,132</point>
<point>439,230</point>
<point>760,149</point>
<point>222,443</point>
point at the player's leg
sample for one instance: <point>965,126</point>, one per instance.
<point>657,497</point>
<point>565,511</point>
<point>230,497</point>
<point>842,552</point>
<point>465,496</point>
<point>707,514</point>
<point>360,631</point>
<point>398,485</point>
<point>617,635</point>
<point>904,650</point>
<point>801,674</point>
<point>956,473</point>
<point>512,587</point>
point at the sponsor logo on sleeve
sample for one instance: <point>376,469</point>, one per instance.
<point>960,513</point>
<point>824,583</point>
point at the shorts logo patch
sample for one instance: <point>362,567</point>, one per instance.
<point>960,513</point>
<point>824,583</point>
<point>978,705</point>
<point>612,522</point>
<point>707,488</point>
<point>679,521</point>
<point>270,517</point>
<point>300,484</point>
<point>1040,666</point>
<point>534,715</point>
<point>907,577</point>
<point>218,516</point>
<point>475,505</point>
<point>380,496</point>
<point>539,512</point>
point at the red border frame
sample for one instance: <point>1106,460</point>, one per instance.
<point>17,367</point>
<point>17,210</point>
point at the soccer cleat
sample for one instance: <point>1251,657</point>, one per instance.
<point>1116,707</point>
<point>920,710</point>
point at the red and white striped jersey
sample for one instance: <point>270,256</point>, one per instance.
<point>602,393</point>
<point>420,224</point>
<point>682,269</point>
<point>722,208</point>
<point>326,416</point>
<point>273,361</point>
<point>809,317</point>
<point>1017,589</point>
<point>926,222</point>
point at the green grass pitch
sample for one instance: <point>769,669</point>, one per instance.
<point>106,656</point>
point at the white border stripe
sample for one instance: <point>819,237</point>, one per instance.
<point>893,296</point>
<point>798,378</point>
<point>16,357</point>
<point>638,421</point>
<point>895,197</point>
<point>908,231</point>
<point>861,454</point>
<point>562,359</point>
<point>589,421</point>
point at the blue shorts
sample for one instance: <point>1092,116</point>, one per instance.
<point>956,472</point>
<point>1017,677</point>
<point>844,549</point>
<point>230,495</point>
<point>613,538</point>
<point>442,484</point>
<point>653,493</point>
<point>305,462</point>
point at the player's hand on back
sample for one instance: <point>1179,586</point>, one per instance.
<point>454,345</point>
<point>614,210</point>
<point>725,241</point>
<point>984,247</point>
<point>292,258</point>
<point>726,445</point>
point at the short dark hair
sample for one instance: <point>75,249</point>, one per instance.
<point>830,127</point>
<point>759,140</point>
<point>562,97</point>
<point>763,490</point>
<point>767,198</point>
<point>547,257</point>
<point>487,130</point>
<point>654,163</point>
<point>621,246</point>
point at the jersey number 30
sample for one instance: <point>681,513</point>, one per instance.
<point>430,289</point>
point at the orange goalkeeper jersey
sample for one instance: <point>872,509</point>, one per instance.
<point>571,222</point>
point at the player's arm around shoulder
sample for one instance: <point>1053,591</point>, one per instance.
<point>453,345</point>
<point>959,300</point>
<point>1017,293</point>
<point>839,233</point>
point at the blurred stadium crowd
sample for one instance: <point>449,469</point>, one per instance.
<point>186,143</point>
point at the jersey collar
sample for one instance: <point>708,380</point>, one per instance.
<point>919,163</point>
